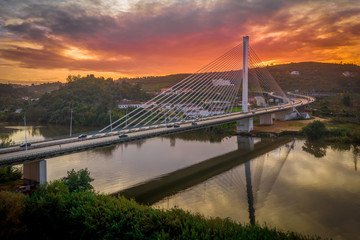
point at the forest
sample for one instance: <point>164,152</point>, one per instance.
<point>90,98</point>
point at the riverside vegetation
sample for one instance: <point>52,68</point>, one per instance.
<point>70,209</point>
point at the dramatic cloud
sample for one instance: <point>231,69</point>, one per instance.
<point>162,37</point>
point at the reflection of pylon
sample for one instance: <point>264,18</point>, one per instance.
<point>250,193</point>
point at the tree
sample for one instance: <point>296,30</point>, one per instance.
<point>314,130</point>
<point>346,100</point>
<point>6,141</point>
<point>78,181</point>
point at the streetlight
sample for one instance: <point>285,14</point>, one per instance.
<point>126,110</point>
<point>71,112</point>
<point>110,121</point>
<point>26,147</point>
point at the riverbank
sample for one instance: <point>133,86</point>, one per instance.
<point>290,125</point>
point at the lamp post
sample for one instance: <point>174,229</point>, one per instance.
<point>126,110</point>
<point>26,147</point>
<point>110,121</point>
<point>71,112</point>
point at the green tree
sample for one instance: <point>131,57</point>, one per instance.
<point>346,100</point>
<point>78,181</point>
<point>9,174</point>
<point>6,141</point>
<point>11,209</point>
<point>314,130</point>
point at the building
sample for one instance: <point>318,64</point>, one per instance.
<point>129,104</point>
<point>221,82</point>
<point>260,101</point>
<point>347,74</point>
<point>170,91</point>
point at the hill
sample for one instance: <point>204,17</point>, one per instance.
<point>313,76</point>
<point>89,97</point>
<point>155,83</point>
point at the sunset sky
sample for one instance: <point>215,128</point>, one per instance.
<point>45,41</point>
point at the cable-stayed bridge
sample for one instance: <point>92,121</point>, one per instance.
<point>235,87</point>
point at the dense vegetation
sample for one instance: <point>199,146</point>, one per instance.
<point>319,77</point>
<point>55,211</point>
<point>317,130</point>
<point>89,97</point>
<point>342,108</point>
<point>155,83</point>
<point>8,175</point>
<point>6,141</point>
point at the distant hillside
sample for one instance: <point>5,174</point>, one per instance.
<point>313,76</point>
<point>156,83</point>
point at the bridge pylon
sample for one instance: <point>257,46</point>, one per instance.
<point>245,125</point>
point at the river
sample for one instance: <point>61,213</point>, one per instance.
<point>291,184</point>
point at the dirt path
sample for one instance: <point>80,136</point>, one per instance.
<point>292,125</point>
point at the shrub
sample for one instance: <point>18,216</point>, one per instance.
<point>314,130</point>
<point>78,181</point>
<point>11,209</point>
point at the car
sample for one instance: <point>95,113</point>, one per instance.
<point>123,136</point>
<point>194,124</point>
<point>169,126</point>
<point>25,145</point>
<point>82,136</point>
<point>253,112</point>
<point>176,125</point>
<point>23,189</point>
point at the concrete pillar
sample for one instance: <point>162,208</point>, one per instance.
<point>245,143</point>
<point>283,115</point>
<point>244,125</point>
<point>35,171</point>
<point>266,119</point>
<point>245,87</point>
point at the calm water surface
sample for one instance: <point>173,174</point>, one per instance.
<point>299,186</point>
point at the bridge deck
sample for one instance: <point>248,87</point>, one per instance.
<point>51,148</point>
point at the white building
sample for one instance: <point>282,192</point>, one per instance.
<point>260,101</point>
<point>347,74</point>
<point>221,82</point>
<point>170,91</point>
<point>129,104</point>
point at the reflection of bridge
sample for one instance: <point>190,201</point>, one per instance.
<point>180,180</point>
<point>206,98</point>
<point>246,185</point>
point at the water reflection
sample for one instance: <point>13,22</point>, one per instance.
<point>317,149</point>
<point>37,132</point>
<point>287,188</point>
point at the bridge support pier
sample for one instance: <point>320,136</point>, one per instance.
<point>244,125</point>
<point>284,115</point>
<point>35,171</point>
<point>245,143</point>
<point>266,119</point>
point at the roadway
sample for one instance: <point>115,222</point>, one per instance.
<point>50,148</point>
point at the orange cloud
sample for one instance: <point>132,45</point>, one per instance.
<point>157,38</point>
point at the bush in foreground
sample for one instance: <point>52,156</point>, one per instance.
<point>54,212</point>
